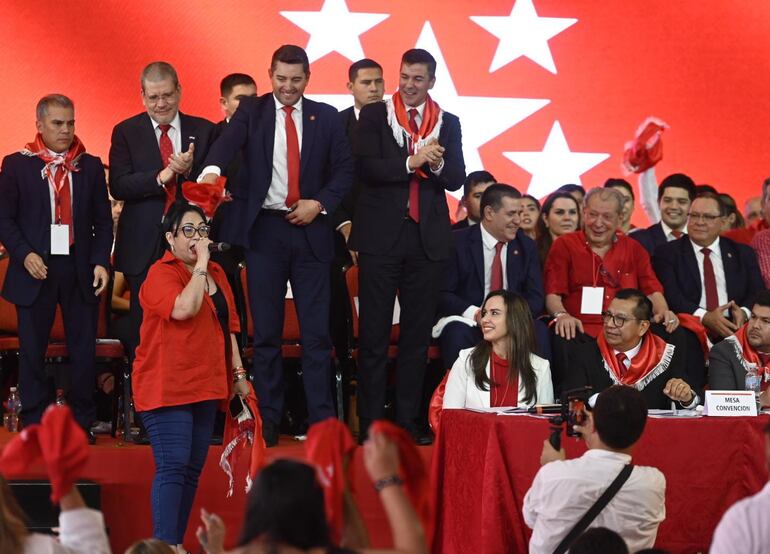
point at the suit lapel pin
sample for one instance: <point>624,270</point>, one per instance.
<point>312,118</point>
<point>729,254</point>
<point>515,252</point>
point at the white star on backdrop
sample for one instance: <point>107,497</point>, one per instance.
<point>523,33</point>
<point>556,165</point>
<point>334,29</point>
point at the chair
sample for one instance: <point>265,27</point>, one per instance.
<point>436,405</point>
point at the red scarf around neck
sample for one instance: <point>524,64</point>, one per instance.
<point>69,161</point>
<point>750,354</point>
<point>647,359</point>
<point>429,119</point>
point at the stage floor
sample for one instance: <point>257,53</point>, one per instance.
<point>125,473</point>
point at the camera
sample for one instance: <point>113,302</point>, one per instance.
<point>574,404</point>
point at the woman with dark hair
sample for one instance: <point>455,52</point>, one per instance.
<point>734,219</point>
<point>530,215</point>
<point>560,215</point>
<point>502,370</point>
<point>187,362</point>
<point>285,510</point>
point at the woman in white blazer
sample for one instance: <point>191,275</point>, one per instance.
<point>502,369</point>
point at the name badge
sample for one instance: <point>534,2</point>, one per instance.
<point>592,300</point>
<point>60,239</point>
<point>730,403</point>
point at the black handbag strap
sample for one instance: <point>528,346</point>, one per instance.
<point>594,510</point>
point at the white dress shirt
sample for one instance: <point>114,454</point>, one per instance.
<point>52,186</point>
<point>174,133</point>
<point>461,390</point>
<point>489,243</point>
<point>669,232</point>
<point>81,531</point>
<point>744,526</point>
<point>719,274</point>
<point>418,121</point>
<point>630,354</point>
<point>563,491</point>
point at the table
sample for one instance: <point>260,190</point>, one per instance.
<point>483,465</point>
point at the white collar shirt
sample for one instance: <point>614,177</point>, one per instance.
<point>719,275</point>
<point>630,354</point>
<point>744,526</point>
<point>174,133</point>
<point>489,242</point>
<point>52,185</point>
<point>563,491</point>
<point>669,232</point>
<point>279,183</point>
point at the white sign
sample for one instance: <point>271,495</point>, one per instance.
<point>730,403</point>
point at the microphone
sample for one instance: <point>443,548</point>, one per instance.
<point>218,247</point>
<point>545,409</point>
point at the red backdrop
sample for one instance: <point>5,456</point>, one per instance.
<point>701,67</point>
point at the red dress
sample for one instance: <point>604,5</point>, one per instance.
<point>572,265</point>
<point>180,361</point>
<point>501,391</point>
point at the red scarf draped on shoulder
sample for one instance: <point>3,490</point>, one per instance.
<point>69,161</point>
<point>750,354</point>
<point>429,119</point>
<point>653,358</point>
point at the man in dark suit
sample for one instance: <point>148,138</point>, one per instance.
<point>58,232</point>
<point>492,255</point>
<point>280,214</point>
<point>708,276</point>
<point>474,186</point>
<point>408,153</point>
<point>627,353</point>
<point>675,194</point>
<point>150,155</point>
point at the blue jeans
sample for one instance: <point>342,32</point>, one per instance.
<point>180,438</point>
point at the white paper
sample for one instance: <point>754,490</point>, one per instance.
<point>592,300</point>
<point>730,403</point>
<point>60,239</point>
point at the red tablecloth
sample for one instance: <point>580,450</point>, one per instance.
<point>483,465</point>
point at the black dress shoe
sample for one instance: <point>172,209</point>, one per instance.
<point>270,433</point>
<point>91,437</point>
<point>420,436</point>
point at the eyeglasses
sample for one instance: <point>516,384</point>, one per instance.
<point>167,97</point>
<point>708,218</point>
<point>189,231</point>
<point>616,319</point>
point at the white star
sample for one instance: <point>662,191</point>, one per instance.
<point>555,165</point>
<point>523,33</point>
<point>334,29</point>
<point>482,117</point>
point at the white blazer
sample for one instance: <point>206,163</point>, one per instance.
<point>461,390</point>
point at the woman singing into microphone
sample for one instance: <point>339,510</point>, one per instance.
<point>185,362</point>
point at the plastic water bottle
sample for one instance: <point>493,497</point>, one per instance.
<point>13,405</point>
<point>753,382</point>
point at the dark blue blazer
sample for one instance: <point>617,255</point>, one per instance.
<point>326,167</point>
<point>677,269</point>
<point>25,223</point>
<point>651,237</point>
<point>463,283</point>
<point>134,166</point>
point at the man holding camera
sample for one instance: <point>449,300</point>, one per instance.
<point>564,490</point>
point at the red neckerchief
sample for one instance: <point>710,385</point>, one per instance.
<point>69,160</point>
<point>207,196</point>
<point>647,359</point>
<point>429,119</point>
<point>238,435</point>
<point>750,354</point>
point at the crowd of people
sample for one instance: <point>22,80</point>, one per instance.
<point>526,297</point>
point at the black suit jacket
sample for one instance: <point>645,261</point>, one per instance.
<point>651,237</point>
<point>326,169</point>
<point>346,209</point>
<point>25,223</point>
<point>462,224</point>
<point>677,269</point>
<point>382,205</point>
<point>587,368</point>
<point>222,224</point>
<point>134,166</point>
<point>463,284</point>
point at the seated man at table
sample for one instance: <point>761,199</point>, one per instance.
<point>563,490</point>
<point>744,527</point>
<point>627,353</point>
<point>748,347</point>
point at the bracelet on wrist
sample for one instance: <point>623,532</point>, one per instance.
<point>198,271</point>
<point>238,377</point>
<point>387,482</point>
<point>557,315</point>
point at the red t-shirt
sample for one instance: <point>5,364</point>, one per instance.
<point>180,361</point>
<point>572,265</point>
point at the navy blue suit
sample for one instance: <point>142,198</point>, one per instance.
<point>463,286</point>
<point>677,269</point>
<point>25,219</point>
<point>651,237</point>
<point>277,250</point>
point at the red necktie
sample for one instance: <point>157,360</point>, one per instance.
<point>709,281</point>
<point>292,158</point>
<point>621,357</point>
<point>414,183</point>
<point>63,199</point>
<point>496,280</point>
<point>677,234</point>
<point>166,151</point>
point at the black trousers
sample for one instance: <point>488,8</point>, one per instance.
<point>408,272</point>
<point>35,322</point>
